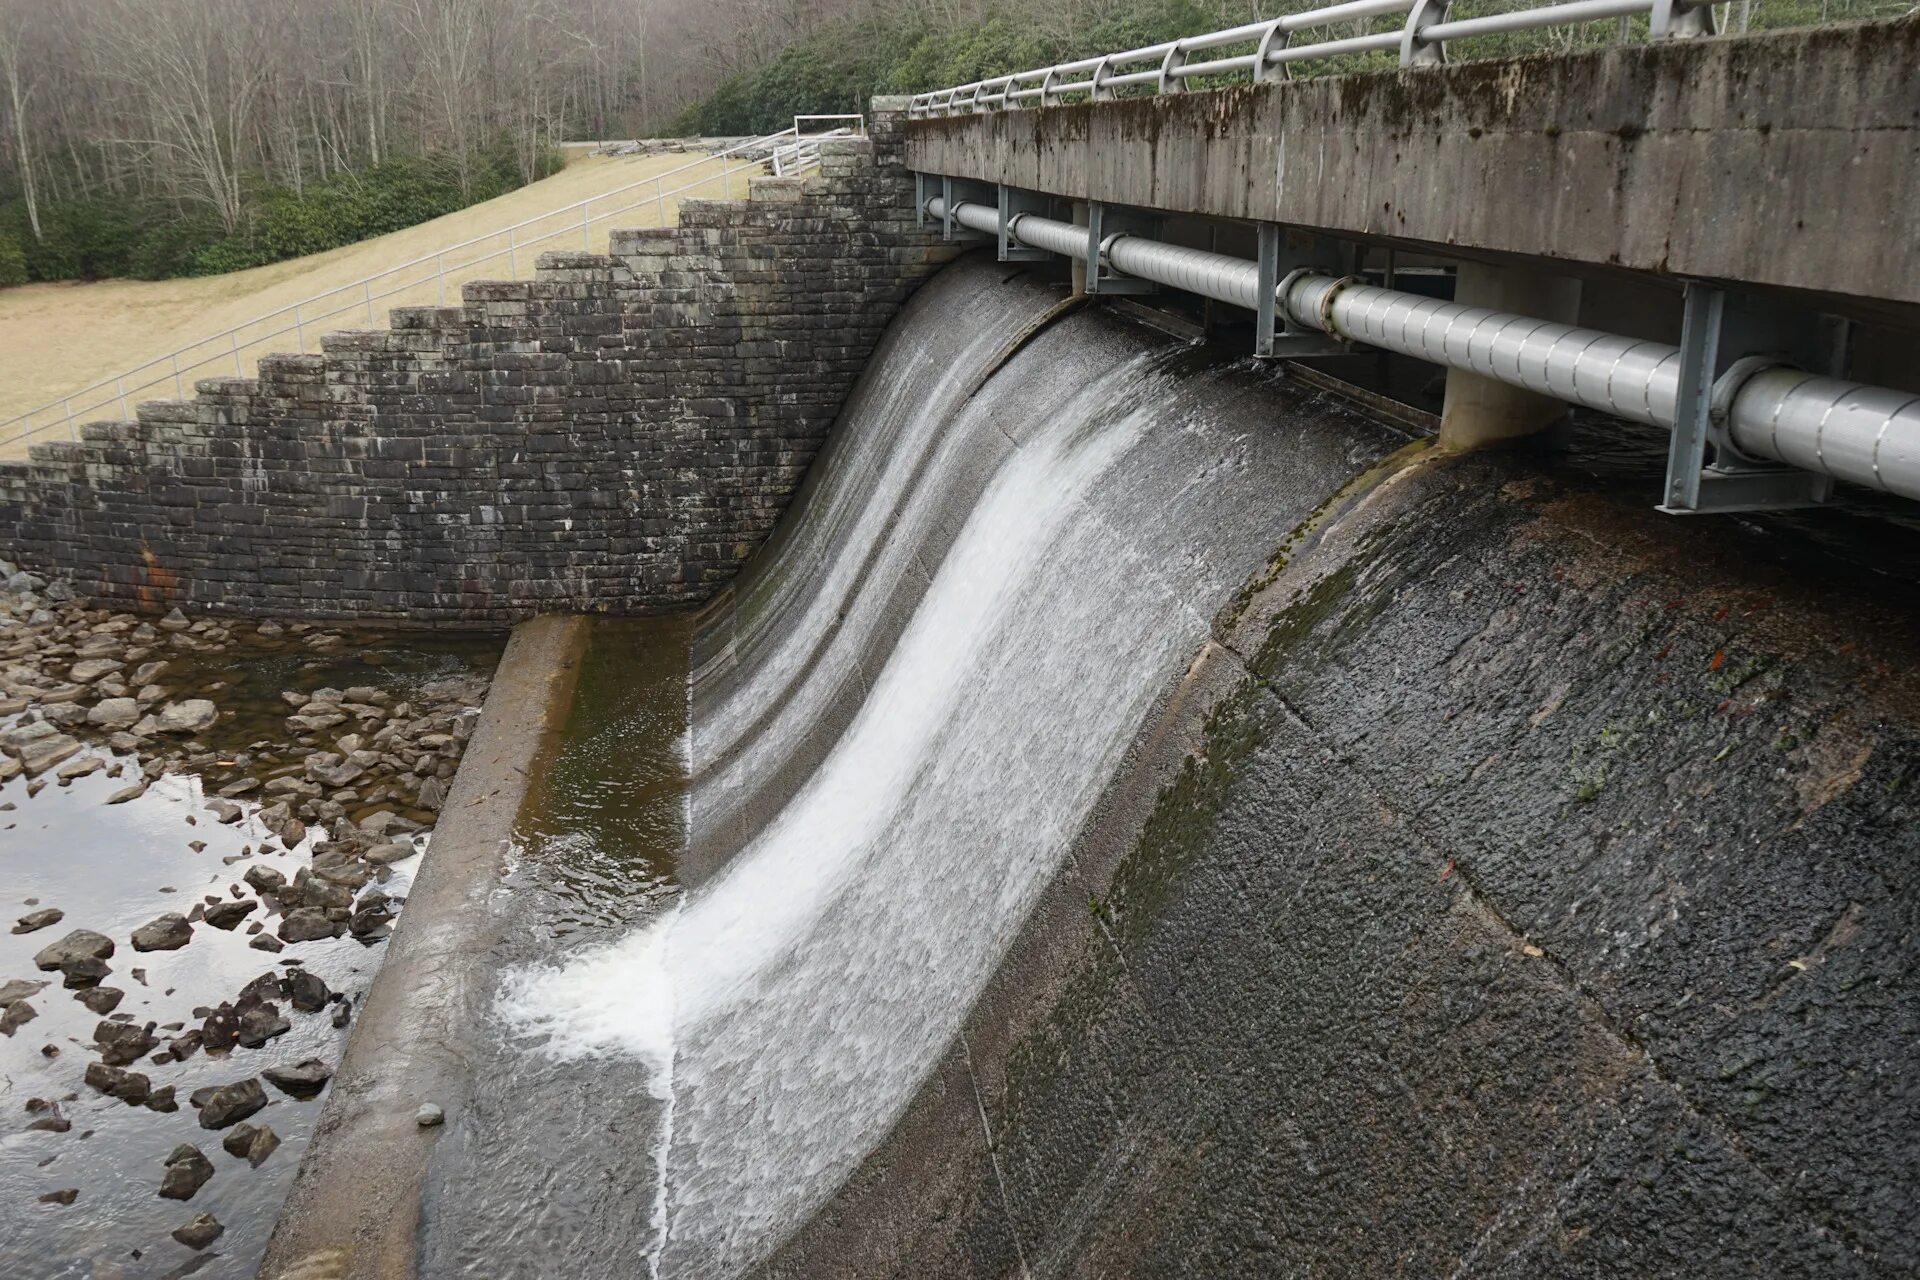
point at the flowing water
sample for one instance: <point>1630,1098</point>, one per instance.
<point>894,729</point>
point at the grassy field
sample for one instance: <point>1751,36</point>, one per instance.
<point>55,339</point>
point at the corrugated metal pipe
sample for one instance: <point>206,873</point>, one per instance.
<point>1861,434</point>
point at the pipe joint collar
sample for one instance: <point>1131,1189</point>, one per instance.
<point>1726,389</point>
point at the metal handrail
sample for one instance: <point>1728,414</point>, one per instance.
<point>1168,66</point>
<point>791,150</point>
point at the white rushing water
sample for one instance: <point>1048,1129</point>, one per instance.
<point>789,1010</point>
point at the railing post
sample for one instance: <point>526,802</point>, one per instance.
<point>120,391</point>
<point>66,407</point>
<point>440,278</point>
<point>586,236</point>
<point>366,288</point>
<point>233,343</point>
<point>1418,52</point>
<point>299,329</point>
<point>513,255</point>
<point>179,391</point>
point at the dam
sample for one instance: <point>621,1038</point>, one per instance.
<point>1011,762</point>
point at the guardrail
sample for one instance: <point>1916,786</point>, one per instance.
<point>1268,50</point>
<point>789,151</point>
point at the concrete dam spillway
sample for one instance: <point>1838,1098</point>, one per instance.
<point>1142,816</point>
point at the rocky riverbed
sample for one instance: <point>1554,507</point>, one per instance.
<point>207,829</point>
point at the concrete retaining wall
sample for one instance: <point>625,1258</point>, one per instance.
<point>1789,159</point>
<point>617,434</point>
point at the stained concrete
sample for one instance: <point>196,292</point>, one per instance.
<point>1517,885</point>
<point>1684,158</point>
<point>354,1208</point>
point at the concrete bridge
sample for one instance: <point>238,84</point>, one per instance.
<point>1648,229</point>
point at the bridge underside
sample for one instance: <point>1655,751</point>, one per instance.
<point>1784,162</point>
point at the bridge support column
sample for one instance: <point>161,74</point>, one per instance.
<point>1080,216</point>
<point>1480,413</point>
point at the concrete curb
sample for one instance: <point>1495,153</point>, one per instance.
<point>355,1204</point>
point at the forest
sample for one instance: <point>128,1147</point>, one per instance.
<point>158,138</point>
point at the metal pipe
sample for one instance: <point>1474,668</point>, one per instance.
<point>1864,435</point>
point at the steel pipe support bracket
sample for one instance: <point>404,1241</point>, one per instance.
<point>1013,205</point>
<point>1706,472</point>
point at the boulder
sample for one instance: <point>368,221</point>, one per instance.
<point>190,716</point>
<point>229,1104</point>
<point>305,990</point>
<point>226,915</point>
<point>78,946</point>
<point>199,1231</point>
<point>87,670</point>
<point>265,879</point>
<point>131,1087</point>
<point>114,713</point>
<point>40,919</point>
<point>16,1015</point>
<point>187,1171</point>
<point>122,1043</point>
<point>168,932</point>
<point>251,1144</point>
<point>304,1079</point>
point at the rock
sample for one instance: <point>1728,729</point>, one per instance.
<point>175,621</point>
<point>384,854</point>
<point>85,973</point>
<point>125,794</point>
<point>148,672</point>
<point>307,925</point>
<point>101,1000</point>
<point>433,794</point>
<point>168,932</point>
<point>114,713</point>
<point>199,1231</point>
<point>19,989</point>
<point>65,1195</point>
<point>293,833</point>
<point>305,990</point>
<point>429,1115</point>
<point>251,1144</point>
<point>229,1103</point>
<point>162,1100</point>
<point>342,1012</point>
<point>190,716</point>
<point>79,946</point>
<point>371,917</point>
<point>16,1015</point>
<point>260,1024</point>
<point>87,670</point>
<point>226,811</point>
<point>266,942</point>
<point>226,915</point>
<point>40,919</point>
<point>122,1043</point>
<point>265,879</point>
<point>79,768</point>
<point>304,1079</point>
<point>131,1087</point>
<point>43,754</point>
<point>187,1172</point>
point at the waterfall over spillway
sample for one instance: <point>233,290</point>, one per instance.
<point>901,721</point>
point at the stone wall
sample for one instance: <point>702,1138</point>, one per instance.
<point>617,434</point>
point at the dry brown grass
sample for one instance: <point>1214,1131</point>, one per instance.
<point>57,338</point>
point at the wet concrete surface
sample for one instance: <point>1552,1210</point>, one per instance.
<point>1517,885</point>
<point>355,1208</point>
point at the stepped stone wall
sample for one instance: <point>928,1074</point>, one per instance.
<point>617,434</point>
